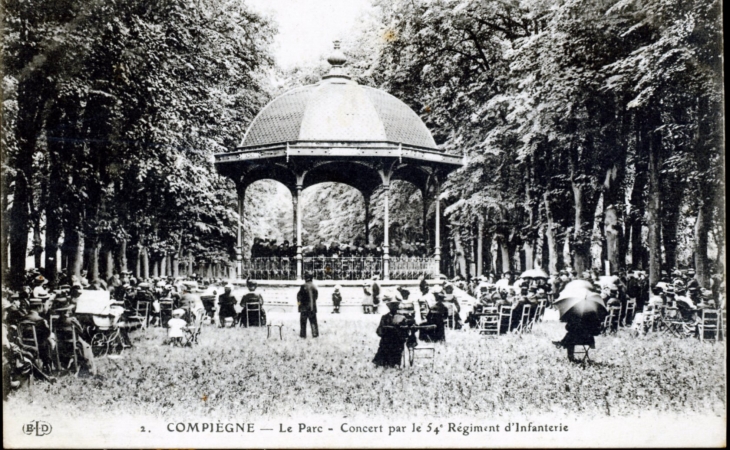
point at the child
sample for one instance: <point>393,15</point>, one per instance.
<point>336,300</point>
<point>175,327</point>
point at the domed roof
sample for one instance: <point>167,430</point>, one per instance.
<point>340,110</point>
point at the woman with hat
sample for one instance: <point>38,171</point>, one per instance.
<point>226,302</point>
<point>393,334</point>
<point>248,313</point>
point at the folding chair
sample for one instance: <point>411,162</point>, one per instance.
<point>450,318</point>
<point>67,337</point>
<point>674,323</point>
<point>253,308</point>
<point>610,323</point>
<point>166,307</point>
<point>505,319</point>
<point>192,333</point>
<point>488,323</point>
<point>524,325</point>
<point>541,304</point>
<point>29,340</point>
<point>277,325</point>
<point>630,312</point>
<point>141,313</point>
<point>428,350</point>
<point>580,353</point>
<point>709,326</point>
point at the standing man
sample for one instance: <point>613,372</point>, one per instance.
<point>307,302</point>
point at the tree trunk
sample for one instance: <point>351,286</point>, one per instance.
<point>636,213</point>
<point>459,258</point>
<point>138,263</point>
<point>702,228</point>
<point>504,252</point>
<point>550,235</point>
<point>53,235</point>
<point>95,247</point>
<point>76,253</point>
<point>581,232</point>
<point>175,264</point>
<point>145,267</point>
<point>654,211</point>
<point>122,256</point>
<point>109,266</point>
<point>612,238</point>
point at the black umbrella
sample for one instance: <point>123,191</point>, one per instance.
<point>578,301</point>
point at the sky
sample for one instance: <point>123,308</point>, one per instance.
<point>308,27</point>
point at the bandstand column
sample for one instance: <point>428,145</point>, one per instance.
<point>480,246</point>
<point>239,235</point>
<point>367,218</point>
<point>437,231</point>
<point>386,231</point>
<point>298,226</point>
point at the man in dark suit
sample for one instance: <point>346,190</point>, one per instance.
<point>307,301</point>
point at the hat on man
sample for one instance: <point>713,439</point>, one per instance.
<point>178,312</point>
<point>337,288</point>
<point>405,293</point>
<point>40,280</point>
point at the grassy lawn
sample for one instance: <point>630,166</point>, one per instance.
<point>240,374</point>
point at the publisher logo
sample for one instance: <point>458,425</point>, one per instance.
<point>37,428</point>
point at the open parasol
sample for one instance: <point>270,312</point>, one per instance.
<point>578,301</point>
<point>534,273</point>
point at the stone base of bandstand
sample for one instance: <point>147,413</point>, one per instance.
<point>281,295</point>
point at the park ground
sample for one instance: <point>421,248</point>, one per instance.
<point>241,374</point>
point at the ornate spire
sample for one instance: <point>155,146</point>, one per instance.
<point>337,60</point>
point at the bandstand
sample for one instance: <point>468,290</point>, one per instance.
<point>337,131</point>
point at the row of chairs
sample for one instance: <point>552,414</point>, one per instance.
<point>709,324</point>
<point>66,343</point>
<point>619,317</point>
<point>496,321</point>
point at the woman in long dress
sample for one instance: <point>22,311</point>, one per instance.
<point>392,336</point>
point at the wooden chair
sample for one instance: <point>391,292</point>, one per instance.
<point>628,316</point>
<point>29,340</point>
<point>428,350</point>
<point>66,336</point>
<point>166,308</point>
<point>505,318</point>
<point>254,308</point>
<point>488,323</point>
<point>580,353</point>
<point>524,326</point>
<point>141,313</point>
<point>192,333</point>
<point>709,326</point>
<point>610,323</point>
<point>277,325</point>
<point>674,324</point>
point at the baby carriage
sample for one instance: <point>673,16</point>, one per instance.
<point>104,323</point>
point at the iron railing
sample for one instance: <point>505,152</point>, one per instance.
<point>335,268</point>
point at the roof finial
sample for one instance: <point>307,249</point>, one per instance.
<point>337,59</point>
